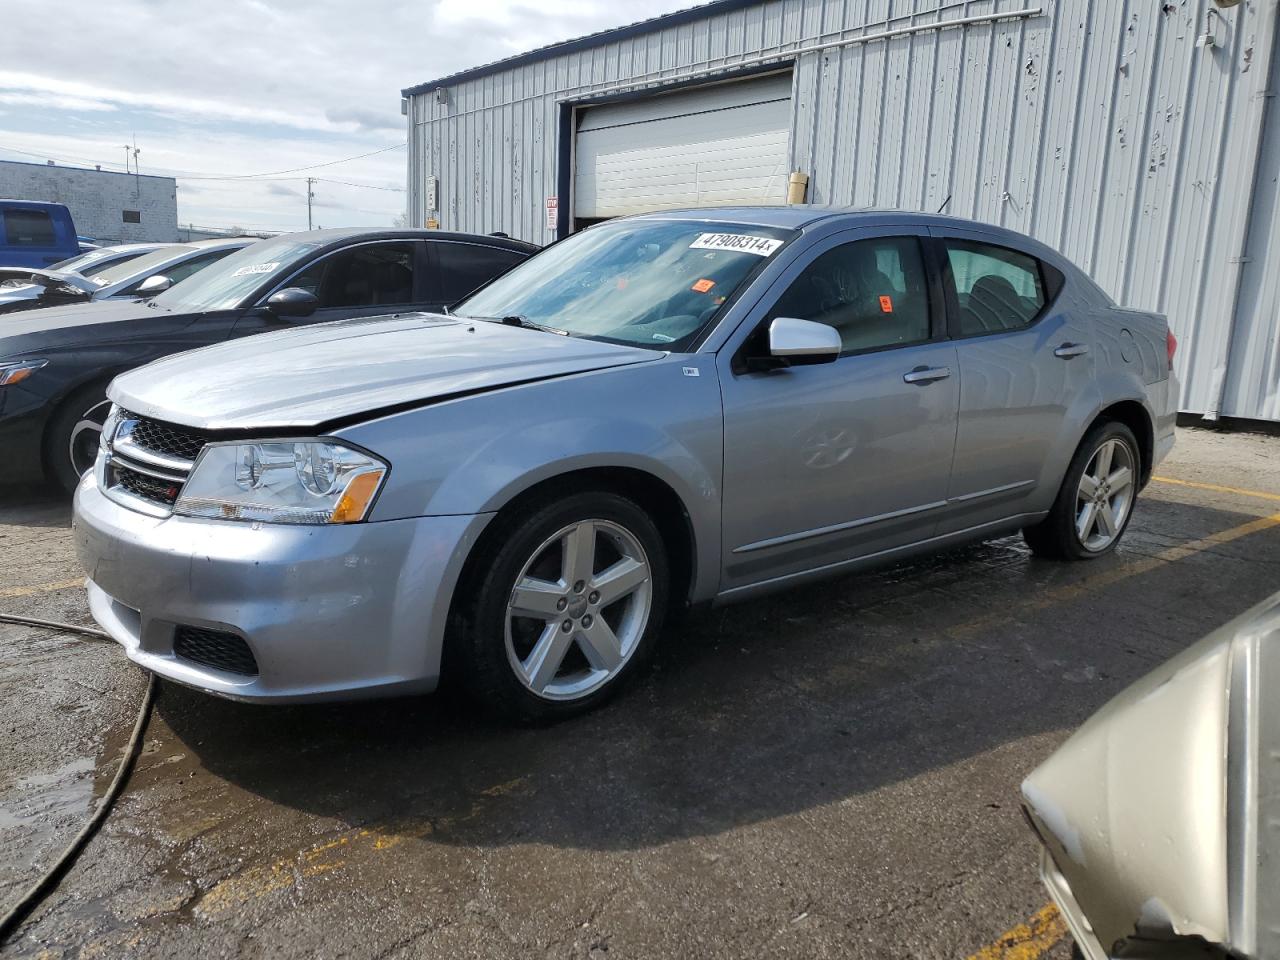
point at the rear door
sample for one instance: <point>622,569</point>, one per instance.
<point>1024,360</point>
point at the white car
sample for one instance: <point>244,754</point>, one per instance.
<point>124,279</point>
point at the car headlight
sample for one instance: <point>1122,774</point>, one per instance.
<point>18,371</point>
<point>282,481</point>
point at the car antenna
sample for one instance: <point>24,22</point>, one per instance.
<point>944,203</point>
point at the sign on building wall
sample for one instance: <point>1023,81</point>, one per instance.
<point>553,212</point>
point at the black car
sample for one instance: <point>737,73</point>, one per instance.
<point>56,363</point>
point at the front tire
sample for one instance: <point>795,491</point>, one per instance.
<point>563,608</point>
<point>1096,500</point>
<point>71,441</point>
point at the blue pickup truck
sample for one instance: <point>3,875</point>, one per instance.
<point>35,234</point>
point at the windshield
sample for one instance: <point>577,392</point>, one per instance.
<point>226,284</point>
<point>648,283</point>
<point>139,266</point>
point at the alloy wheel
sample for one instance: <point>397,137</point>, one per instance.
<point>1105,495</point>
<point>578,609</point>
<point>85,437</point>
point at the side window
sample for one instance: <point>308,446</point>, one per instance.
<point>997,289</point>
<point>875,292</point>
<point>183,270</point>
<point>179,272</point>
<point>465,266</point>
<point>28,228</point>
<point>371,275</point>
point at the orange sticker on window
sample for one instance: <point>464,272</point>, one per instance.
<point>886,304</point>
<point>702,286</point>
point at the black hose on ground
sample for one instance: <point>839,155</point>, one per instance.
<point>54,625</point>
<point>47,883</point>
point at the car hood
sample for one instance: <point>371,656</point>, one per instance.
<point>90,313</point>
<point>69,277</point>
<point>329,372</point>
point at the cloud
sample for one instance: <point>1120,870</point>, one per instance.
<point>245,86</point>
<point>55,101</point>
<point>365,120</point>
<point>280,190</point>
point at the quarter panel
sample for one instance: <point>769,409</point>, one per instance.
<point>474,454</point>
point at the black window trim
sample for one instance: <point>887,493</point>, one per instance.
<point>1050,286</point>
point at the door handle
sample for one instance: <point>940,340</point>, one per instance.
<point>1068,350</point>
<point>923,375</point>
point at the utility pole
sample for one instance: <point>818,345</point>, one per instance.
<point>127,148</point>
<point>310,196</point>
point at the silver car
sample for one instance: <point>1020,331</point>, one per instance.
<point>1160,817</point>
<point>142,273</point>
<point>659,411</point>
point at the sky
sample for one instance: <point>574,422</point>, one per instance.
<point>225,89</point>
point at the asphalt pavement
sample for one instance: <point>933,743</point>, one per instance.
<point>831,771</point>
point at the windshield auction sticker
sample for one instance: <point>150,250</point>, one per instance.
<point>256,268</point>
<point>737,242</point>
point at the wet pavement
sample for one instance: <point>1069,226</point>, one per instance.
<point>828,772</point>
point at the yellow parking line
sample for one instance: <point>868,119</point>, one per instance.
<point>1027,940</point>
<point>41,588</point>
<point>1218,488</point>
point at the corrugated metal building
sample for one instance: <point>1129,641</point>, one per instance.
<point>1139,137</point>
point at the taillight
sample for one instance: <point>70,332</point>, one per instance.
<point>1171,343</point>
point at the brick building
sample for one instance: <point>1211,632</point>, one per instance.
<point>108,207</point>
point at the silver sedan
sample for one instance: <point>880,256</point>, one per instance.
<point>665,410</point>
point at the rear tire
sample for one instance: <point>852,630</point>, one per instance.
<point>71,439</point>
<point>562,606</point>
<point>1096,500</point>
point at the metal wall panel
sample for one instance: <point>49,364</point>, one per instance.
<point>1105,129</point>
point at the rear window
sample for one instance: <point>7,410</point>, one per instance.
<point>28,228</point>
<point>997,288</point>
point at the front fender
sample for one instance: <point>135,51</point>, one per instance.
<point>475,454</point>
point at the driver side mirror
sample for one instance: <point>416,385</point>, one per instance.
<point>793,341</point>
<point>153,285</point>
<point>293,302</point>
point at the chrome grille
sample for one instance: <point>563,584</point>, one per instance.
<point>165,438</point>
<point>148,461</point>
<point>148,488</point>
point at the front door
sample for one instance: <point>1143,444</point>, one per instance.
<point>1024,363</point>
<point>364,280</point>
<point>835,461</point>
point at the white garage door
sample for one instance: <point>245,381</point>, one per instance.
<point>712,146</point>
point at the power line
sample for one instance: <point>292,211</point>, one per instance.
<point>313,166</point>
<point>367,186</point>
<point>180,175</point>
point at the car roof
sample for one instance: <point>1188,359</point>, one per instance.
<point>29,204</point>
<point>336,235</point>
<point>798,216</point>
<point>218,243</point>
<point>802,216</point>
